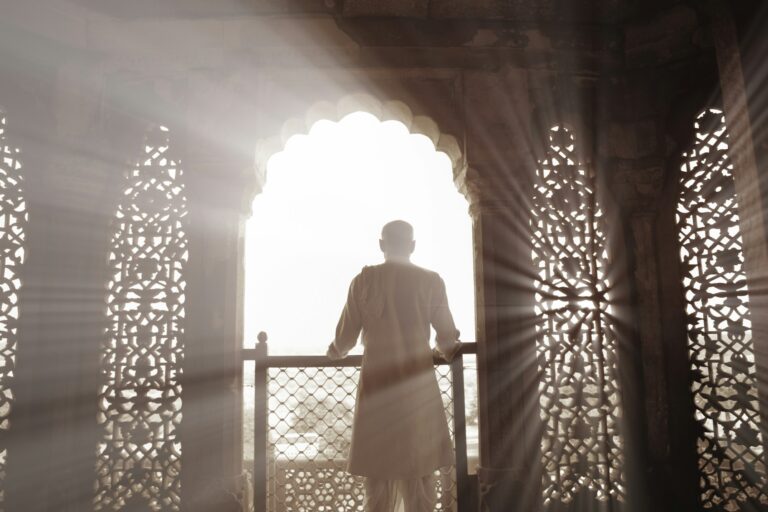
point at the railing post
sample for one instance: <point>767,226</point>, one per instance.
<point>260,409</point>
<point>463,489</point>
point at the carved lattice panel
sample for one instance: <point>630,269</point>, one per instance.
<point>140,401</point>
<point>13,221</point>
<point>576,344</point>
<point>730,442</point>
<point>310,430</point>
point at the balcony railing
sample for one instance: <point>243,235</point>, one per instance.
<point>303,409</point>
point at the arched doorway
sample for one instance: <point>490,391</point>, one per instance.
<point>317,223</point>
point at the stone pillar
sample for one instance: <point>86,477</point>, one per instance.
<point>220,180</point>
<point>211,441</point>
<point>653,385</point>
<point>747,181</point>
<point>741,149</point>
<point>498,185</point>
<point>51,458</point>
<point>648,312</point>
<point>672,462</point>
<point>636,176</point>
<point>509,476</point>
<point>36,389</point>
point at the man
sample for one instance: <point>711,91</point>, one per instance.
<point>400,434</point>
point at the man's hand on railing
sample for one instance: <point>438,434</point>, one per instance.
<point>449,355</point>
<point>333,353</point>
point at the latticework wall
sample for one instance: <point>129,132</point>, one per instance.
<point>13,221</point>
<point>722,353</point>
<point>580,404</point>
<point>138,465</point>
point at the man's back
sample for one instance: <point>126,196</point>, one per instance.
<point>400,427</point>
<point>398,302</point>
<point>400,433</point>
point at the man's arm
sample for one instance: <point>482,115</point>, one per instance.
<point>441,319</point>
<point>349,326</point>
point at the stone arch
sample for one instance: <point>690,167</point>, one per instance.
<point>383,110</point>
<point>389,110</point>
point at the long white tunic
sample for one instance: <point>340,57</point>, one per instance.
<point>400,429</point>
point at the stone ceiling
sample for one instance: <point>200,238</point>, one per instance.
<point>523,11</point>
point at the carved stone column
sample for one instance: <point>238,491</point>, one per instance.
<point>67,171</point>
<point>498,186</point>
<point>509,475</point>
<point>644,275</point>
<point>742,152</point>
<point>220,182</point>
<point>32,418</point>
<point>212,446</point>
<point>747,180</point>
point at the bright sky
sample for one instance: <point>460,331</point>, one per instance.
<point>318,222</point>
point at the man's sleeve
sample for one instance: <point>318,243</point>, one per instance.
<point>348,328</point>
<point>441,319</point>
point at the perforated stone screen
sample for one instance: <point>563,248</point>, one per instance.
<point>139,456</point>
<point>580,404</point>
<point>13,222</point>
<point>722,353</point>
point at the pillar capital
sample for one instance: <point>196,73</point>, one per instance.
<point>637,188</point>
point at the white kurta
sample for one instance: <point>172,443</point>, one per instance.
<point>400,429</point>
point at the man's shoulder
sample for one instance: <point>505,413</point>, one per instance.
<point>430,274</point>
<point>366,273</point>
<point>415,270</point>
<point>424,276</point>
<point>368,269</point>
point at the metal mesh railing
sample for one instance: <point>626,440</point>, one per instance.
<point>303,409</point>
<point>310,429</point>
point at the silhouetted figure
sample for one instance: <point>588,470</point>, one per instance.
<point>400,433</point>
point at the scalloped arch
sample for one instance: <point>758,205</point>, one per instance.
<point>392,110</point>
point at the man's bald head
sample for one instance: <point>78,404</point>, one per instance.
<point>397,230</point>
<point>397,240</point>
